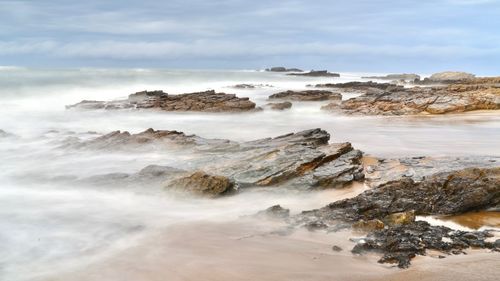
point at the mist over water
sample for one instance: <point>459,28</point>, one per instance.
<point>47,225</point>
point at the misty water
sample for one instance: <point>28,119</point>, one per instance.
<point>47,225</point>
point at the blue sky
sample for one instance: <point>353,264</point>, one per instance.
<point>355,35</point>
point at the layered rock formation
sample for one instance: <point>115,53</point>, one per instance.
<point>308,95</point>
<point>208,101</point>
<point>303,160</point>
<point>447,77</point>
<point>383,99</point>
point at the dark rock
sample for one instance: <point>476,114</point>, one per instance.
<point>316,73</point>
<point>250,86</point>
<point>283,69</point>
<point>280,105</point>
<point>3,134</point>
<point>336,248</point>
<point>208,101</point>
<point>308,95</point>
<point>369,225</point>
<point>274,212</point>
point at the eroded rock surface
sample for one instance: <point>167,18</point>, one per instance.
<point>381,99</point>
<point>208,101</point>
<point>446,77</point>
<point>308,95</point>
<point>201,183</point>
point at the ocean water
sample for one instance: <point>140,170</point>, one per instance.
<point>48,227</point>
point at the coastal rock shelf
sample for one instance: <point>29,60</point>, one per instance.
<point>307,95</point>
<point>208,101</point>
<point>316,73</point>
<point>387,99</point>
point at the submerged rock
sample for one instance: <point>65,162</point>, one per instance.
<point>274,212</point>
<point>316,73</point>
<point>308,95</point>
<point>3,134</point>
<point>208,101</point>
<point>280,105</point>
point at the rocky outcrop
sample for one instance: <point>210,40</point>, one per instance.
<point>308,95</point>
<point>274,212</point>
<point>447,77</point>
<point>316,73</point>
<point>150,139</point>
<point>280,105</point>
<point>201,183</point>
<point>283,69</point>
<point>208,101</point>
<point>399,244</point>
<point>404,76</point>
<point>303,160</point>
<point>360,86</point>
<point>388,214</point>
<point>397,100</point>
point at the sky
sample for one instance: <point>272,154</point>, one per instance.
<point>356,35</point>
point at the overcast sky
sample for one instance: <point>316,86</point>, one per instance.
<point>354,35</point>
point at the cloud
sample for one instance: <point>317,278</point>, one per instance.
<point>124,50</point>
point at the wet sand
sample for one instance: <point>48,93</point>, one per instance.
<point>249,250</point>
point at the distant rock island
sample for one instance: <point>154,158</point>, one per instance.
<point>316,73</point>
<point>402,76</point>
<point>283,69</point>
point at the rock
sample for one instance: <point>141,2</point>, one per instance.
<point>336,248</point>
<point>400,243</point>
<point>303,160</point>
<point>147,140</point>
<point>360,86</point>
<point>400,218</point>
<point>208,101</point>
<point>397,100</point>
<point>3,134</point>
<point>274,212</point>
<point>201,183</point>
<point>404,77</point>
<point>250,86</point>
<point>369,225</point>
<point>308,95</point>
<point>316,73</point>
<point>283,69</point>
<point>280,105</point>
<point>450,76</point>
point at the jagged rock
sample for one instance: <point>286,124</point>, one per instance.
<point>308,95</point>
<point>208,101</point>
<point>403,76</point>
<point>316,73</point>
<point>280,105</point>
<point>397,100</point>
<point>400,243</point>
<point>360,86</point>
<point>283,69</point>
<point>274,212</point>
<point>201,183</point>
